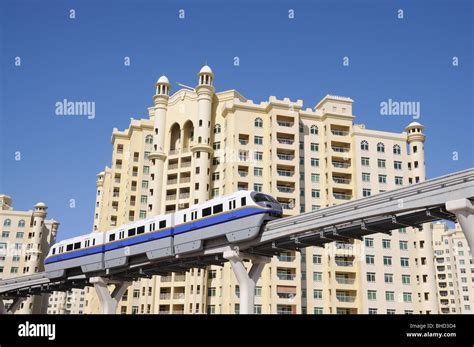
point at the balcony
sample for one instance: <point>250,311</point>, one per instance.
<point>339,133</point>
<point>286,276</point>
<point>342,196</point>
<point>340,149</point>
<point>285,141</point>
<point>184,195</point>
<point>285,173</point>
<point>345,298</point>
<point>180,278</point>
<point>178,296</point>
<point>166,279</point>
<point>287,206</point>
<point>285,156</point>
<point>344,263</point>
<point>173,151</point>
<point>164,312</point>
<point>172,166</point>
<point>285,124</point>
<point>186,179</point>
<point>341,180</point>
<point>285,189</point>
<point>170,197</point>
<point>287,258</point>
<point>172,181</point>
<point>165,296</point>
<point>341,165</point>
<point>243,173</point>
<point>345,280</point>
<point>186,164</point>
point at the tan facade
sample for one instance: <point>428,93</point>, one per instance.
<point>197,144</point>
<point>25,241</point>
<point>69,302</point>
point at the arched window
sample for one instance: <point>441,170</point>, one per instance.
<point>149,139</point>
<point>380,147</point>
<point>258,123</point>
<point>314,130</point>
<point>217,129</point>
<point>7,223</point>
<point>364,145</point>
<point>396,149</point>
<point>21,223</point>
<point>459,244</point>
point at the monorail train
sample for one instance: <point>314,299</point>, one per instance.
<point>237,217</point>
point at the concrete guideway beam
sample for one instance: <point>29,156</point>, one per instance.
<point>247,281</point>
<point>464,211</point>
<point>109,301</point>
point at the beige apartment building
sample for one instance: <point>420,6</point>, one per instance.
<point>68,302</point>
<point>454,270</point>
<point>25,241</point>
<point>200,143</point>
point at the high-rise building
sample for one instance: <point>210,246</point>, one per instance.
<point>25,241</point>
<point>198,143</point>
<point>454,270</point>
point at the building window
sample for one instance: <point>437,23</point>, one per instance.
<point>258,140</point>
<point>396,149</point>
<point>258,187</point>
<point>145,184</point>
<point>365,177</point>
<point>216,146</point>
<point>317,276</point>
<point>315,178</point>
<point>146,170</point>
<point>366,192</point>
<point>318,294</point>
<point>316,259</point>
<point>406,279</point>
<point>372,295</point>
<point>388,278</point>
<point>365,161</point>
<point>315,193</point>
<point>404,262</point>
<point>258,156</point>
<point>314,130</point>
<point>314,162</point>
<point>370,276</point>
<point>406,297</point>
<point>399,181</point>
<point>7,222</point>
<point>318,310</point>
<point>364,145</point>
<point>258,123</point>
<point>387,261</point>
<point>404,245</point>
<point>397,165</point>
<point>381,163</point>
<point>386,243</point>
<point>372,311</point>
<point>19,235</point>
<point>314,147</point>
<point>389,296</point>
<point>217,129</point>
<point>257,171</point>
<point>215,192</point>
<point>380,147</point>
<point>142,214</point>
<point>369,242</point>
<point>21,223</point>
<point>215,176</point>
<point>370,259</point>
<point>149,139</point>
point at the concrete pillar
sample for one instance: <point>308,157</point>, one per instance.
<point>247,281</point>
<point>464,211</point>
<point>109,301</point>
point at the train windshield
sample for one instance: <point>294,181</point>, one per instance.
<point>263,197</point>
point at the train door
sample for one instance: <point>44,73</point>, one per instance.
<point>231,205</point>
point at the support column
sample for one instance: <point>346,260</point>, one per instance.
<point>13,307</point>
<point>108,302</point>
<point>464,211</point>
<point>247,281</point>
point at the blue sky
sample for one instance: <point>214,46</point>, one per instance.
<point>83,60</point>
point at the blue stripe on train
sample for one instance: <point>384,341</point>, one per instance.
<point>200,223</point>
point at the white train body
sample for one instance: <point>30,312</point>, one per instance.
<point>237,217</point>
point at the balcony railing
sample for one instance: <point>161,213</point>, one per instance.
<point>164,312</point>
<point>340,196</point>
<point>343,280</point>
<point>286,277</point>
<point>166,279</point>
<point>285,189</point>
<point>178,296</point>
<point>184,195</point>
<point>179,278</point>
<point>243,173</point>
<point>338,164</point>
<point>243,142</point>
<point>284,312</point>
<point>344,263</point>
<point>185,179</point>
<point>178,311</point>
<point>286,206</point>
<point>165,296</point>
<point>173,151</point>
<point>285,173</point>
<point>285,124</point>
<point>185,164</point>
<point>285,156</point>
<point>345,298</point>
<point>243,157</point>
<point>173,181</point>
<point>286,295</point>
<point>340,149</point>
<point>341,180</point>
<point>172,166</point>
<point>284,141</point>
<point>339,132</point>
<point>286,258</point>
<point>171,197</point>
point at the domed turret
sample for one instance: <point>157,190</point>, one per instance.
<point>163,86</point>
<point>206,76</point>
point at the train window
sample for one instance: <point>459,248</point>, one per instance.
<point>233,203</point>
<point>54,250</point>
<point>230,205</point>
<point>206,212</point>
<point>112,237</point>
<point>77,245</point>
<point>184,218</point>
<point>93,242</point>
<point>162,224</point>
<point>131,232</point>
<point>121,234</point>
<point>141,230</point>
<point>243,201</point>
<point>69,247</point>
<point>217,209</point>
<point>61,249</point>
